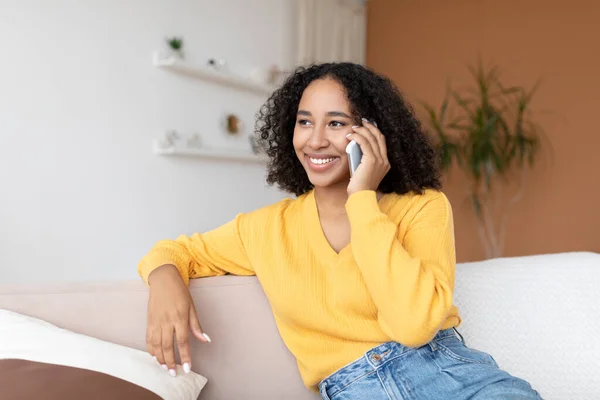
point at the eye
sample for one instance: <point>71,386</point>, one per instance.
<point>303,122</point>
<point>337,124</point>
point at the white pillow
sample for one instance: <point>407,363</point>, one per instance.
<point>26,338</point>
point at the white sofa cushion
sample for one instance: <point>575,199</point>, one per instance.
<point>539,316</point>
<point>31,339</point>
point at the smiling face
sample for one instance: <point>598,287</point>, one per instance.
<point>323,121</point>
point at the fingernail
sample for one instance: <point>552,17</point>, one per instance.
<point>206,337</point>
<point>172,372</point>
<point>164,366</point>
<point>355,126</point>
<point>364,120</point>
<point>186,368</point>
<point>349,135</point>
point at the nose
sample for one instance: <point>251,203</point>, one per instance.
<point>318,139</point>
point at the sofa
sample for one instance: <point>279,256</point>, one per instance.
<point>539,316</point>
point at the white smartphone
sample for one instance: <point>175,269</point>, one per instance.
<point>355,154</point>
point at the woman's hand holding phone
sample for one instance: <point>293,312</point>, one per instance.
<point>374,164</point>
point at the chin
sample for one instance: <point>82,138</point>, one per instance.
<point>324,181</point>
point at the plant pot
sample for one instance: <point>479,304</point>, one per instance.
<point>176,54</point>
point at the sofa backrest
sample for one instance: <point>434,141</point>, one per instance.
<point>245,360</point>
<point>539,316</point>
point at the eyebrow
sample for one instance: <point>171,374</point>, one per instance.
<point>329,114</point>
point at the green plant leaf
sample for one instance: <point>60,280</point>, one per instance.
<point>486,128</point>
<point>175,43</point>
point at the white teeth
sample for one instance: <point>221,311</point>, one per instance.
<point>321,160</point>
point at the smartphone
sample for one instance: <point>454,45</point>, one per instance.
<point>355,154</point>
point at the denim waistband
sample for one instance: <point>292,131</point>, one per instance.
<point>372,360</point>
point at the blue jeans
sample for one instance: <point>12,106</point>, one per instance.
<point>444,369</point>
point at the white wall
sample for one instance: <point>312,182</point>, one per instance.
<point>82,196</point>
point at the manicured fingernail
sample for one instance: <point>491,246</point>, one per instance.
<point>172,372</point>
<point>164,366</point>
<point>349,135</point>
<point>206,337</point>
<point>364,120</point>
<point>186,368</point>
<point>355,126</point>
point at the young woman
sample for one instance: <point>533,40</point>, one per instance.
<point>359,271</point>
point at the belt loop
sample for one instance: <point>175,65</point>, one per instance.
<point>433,345</point>
<point>462,339</point>
<point>323,390</point>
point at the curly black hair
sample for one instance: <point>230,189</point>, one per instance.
<point>413,160</point>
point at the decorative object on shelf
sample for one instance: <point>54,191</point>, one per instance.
<point>220,64</point>
<point>210,74</point>
<point>171,136</point>
<point>176,46</point>
<point>173,140</point>
<point>233,124</point>
<point>176,144</point>
<point>488,132</point>
<point>194,141</point>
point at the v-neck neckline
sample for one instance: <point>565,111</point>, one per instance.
<point>315,231</point>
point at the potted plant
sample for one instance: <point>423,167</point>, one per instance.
<point>176,46</point>
<point>487,131</point>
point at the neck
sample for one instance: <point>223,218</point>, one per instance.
<point>331,200</point>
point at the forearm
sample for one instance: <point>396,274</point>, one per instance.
<point>412,292</point>
<point>218,252</point>
<point>413,297</point>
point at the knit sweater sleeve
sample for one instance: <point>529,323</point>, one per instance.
<point>410,280</point>
<point>217,252</point>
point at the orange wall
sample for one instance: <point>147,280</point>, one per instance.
<point>421,44</point>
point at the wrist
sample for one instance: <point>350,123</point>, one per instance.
<point>361,204</point>
<point>163,272</point>
<point>352,191</point>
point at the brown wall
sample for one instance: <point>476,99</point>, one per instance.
<point>421,44</point>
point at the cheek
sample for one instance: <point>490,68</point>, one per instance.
<point>340,142</point>
<point>298,140</point>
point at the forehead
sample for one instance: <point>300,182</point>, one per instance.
<point>326,94</point>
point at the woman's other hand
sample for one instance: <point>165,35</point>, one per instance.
<point>171,316</point>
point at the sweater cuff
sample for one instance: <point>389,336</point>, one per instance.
<point>158,259</point>
<point>362,207</point>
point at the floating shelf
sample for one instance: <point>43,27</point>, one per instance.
<point>223,154</point>
<point>209,74</point>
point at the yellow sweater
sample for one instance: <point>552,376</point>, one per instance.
<point>394,281</point>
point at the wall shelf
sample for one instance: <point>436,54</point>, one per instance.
<point>211,153</point>
<point>206,73</point>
